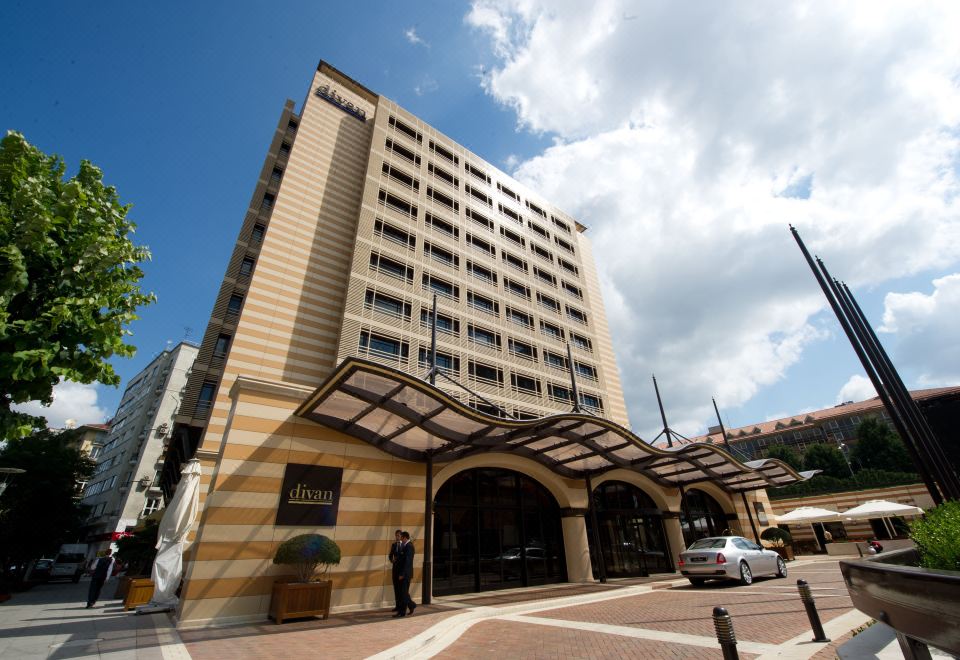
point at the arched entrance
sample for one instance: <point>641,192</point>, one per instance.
<point>631,532</point>
<point>495,529</point>
<point>701,516</point>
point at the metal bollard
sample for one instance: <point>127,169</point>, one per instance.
<point>723,624</point>
<point>807,597</point>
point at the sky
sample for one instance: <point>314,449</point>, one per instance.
<point>686,136</point>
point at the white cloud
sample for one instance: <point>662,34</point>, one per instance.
<point>925,327</point>
<point>72,401</point>
<point>689,138</point>
<point>425,86</point>
<point>857,388</point>
<point>414,38</point>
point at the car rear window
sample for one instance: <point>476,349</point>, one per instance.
<point>69,559</point>
<point>708,544</point>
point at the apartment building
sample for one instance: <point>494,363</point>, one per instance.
<point>125,485</point>
<point>315,375</point>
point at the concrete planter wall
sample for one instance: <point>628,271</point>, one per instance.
<point>920,604</point>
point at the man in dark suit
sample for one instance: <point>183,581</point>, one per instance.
<point>394,558</point>
<point>100,575</point>
<point>404,602</point>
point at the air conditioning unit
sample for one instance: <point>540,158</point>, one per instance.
<point>144,481</point>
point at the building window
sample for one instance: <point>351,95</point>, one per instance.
<point>572,290</point>
<point>516,288</point>
<point>276,175</point>
<point>402,151</point>
<point>554,360</point>
<point>522,349</point>
<point>510,213</point>
<point>445,362</point>
<point>220,348</point>
<point>398,204</point>
<point>410,132</point>
<point>567,266</point>
<point>513,237</point>
<point>524,384</point>
<point>440,287</point>
<point>284,150</point>
<point>480,219</point>
<point>520,318</point>
<point>482,303</point>
<point>485,373</point>
<point>256,235</point>
<point>478,173</point>
<point>235,304</point>
<point>446,324</point>
<point>561,224</point>
<point>483,336</point>
<point>478,195</point>
<point>388,266</point>
<point>581,342</point>
<point>443,152</point>
<point>577,315</point>
<point>542,253</point>
<point>536,209</point>
<point>267,202</point>
<point>559,393</point>
<point>551,330</point>
<point>246,266</point>
<point>205,400</point>
<point>382,346</point>
<point>479,244</point>
<point>152,504</point>
<point>445,257</point>
<point>544,276</point>
<point>394,173</point>
<point>442,199</point>
<point>564,244</point>
<point>513,261</point>
<point>482,273</point>
<point>441,226</point>
<point>389,305</point>
<point>443,175</point>
<point>506,191</point>
<point>547,302</point>
<point>394,234</point>
<point>586,370</point>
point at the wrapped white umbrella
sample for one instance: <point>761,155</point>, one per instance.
<point>172,540</point>
<point>882,509</point>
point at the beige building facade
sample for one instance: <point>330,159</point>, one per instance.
<point>362,217</point>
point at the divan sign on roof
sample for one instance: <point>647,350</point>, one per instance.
<point>329,94</point>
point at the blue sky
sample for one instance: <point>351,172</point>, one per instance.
<point>176,102</point>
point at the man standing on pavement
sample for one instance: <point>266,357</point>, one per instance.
<point>394,558</point>
<point>101,573</point>
<point>406,574</point>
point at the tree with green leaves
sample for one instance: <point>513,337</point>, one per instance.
<point>69,279</point>
<point>878,447</point>
<point>827,459</point>
<point>786,454</point>
<point>40,509</point>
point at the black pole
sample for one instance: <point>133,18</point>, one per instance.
<point>726,637</point>
<point>573,380</point>
<point>427,586</point>
<point>684,513</point>
<point>663,415</point>
<point>868,368</point>
<point>433,343</point>
<point>898,395</point>
<point>596,530</point>
<point>743,495</point>
<point>949,482</point>
<point>808,603</point>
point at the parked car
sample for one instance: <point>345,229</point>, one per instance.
<point>70,562</point>
<point>729,558</point>
<point>41,570</point>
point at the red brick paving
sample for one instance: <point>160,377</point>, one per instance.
<point>514,640</point>
<point>757,616</point>
<point>341,637</point>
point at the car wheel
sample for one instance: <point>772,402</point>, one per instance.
<point>781,568</point>
<point>697,582</point>
<point>746,575</point>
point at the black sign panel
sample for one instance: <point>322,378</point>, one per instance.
<point>310,496</point>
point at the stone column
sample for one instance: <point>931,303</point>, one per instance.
<point>575,545</point>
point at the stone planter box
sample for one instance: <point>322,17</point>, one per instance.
<point>294,600</point>
<point>139,593</point>
<point>921,604</point>
<point>786,552</point>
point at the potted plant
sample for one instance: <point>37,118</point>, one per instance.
<point>308,593</point>
<point>779,540</point>
<point>914,591</point>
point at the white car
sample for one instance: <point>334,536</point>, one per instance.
<point>729,558</point>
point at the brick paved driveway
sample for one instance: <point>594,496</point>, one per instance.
<point>673,622</point>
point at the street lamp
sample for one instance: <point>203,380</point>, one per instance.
<point>5,474</point>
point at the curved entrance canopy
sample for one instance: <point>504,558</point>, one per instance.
<point>411,419</point>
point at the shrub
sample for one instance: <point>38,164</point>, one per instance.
<point>306,553</point>
<point>776,537</point>
<point>938,537</point>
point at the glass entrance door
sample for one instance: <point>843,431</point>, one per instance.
<point>495,529</point>
<point>631,532</point>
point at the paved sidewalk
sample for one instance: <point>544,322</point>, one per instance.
<point>51,621</point>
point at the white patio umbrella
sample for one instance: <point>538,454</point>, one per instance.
<point>172,540</point>
<point>882,509</point>
<point>808,514</point>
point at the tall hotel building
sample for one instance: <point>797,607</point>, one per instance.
<point>316,366</point>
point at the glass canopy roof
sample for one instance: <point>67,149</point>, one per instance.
<point>414,420</point>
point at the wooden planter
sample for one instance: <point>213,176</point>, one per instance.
<point>921,604</point>
<point>293,600</point>
<point>139,593</point>
<point>786,552</point>
<point>123,585</point>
